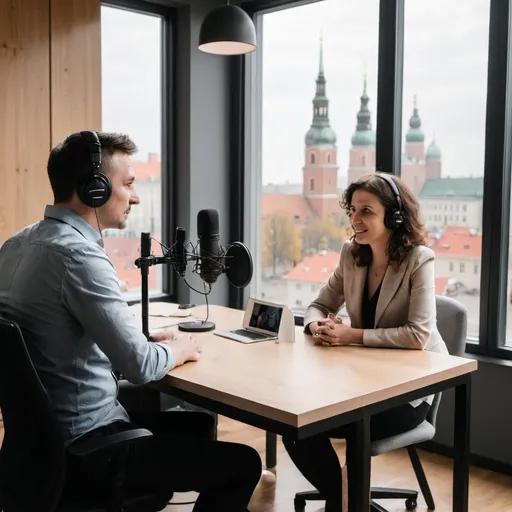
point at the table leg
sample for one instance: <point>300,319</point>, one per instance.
<point>271,451</point>
<point>358,466</point>
<point>462,422</point>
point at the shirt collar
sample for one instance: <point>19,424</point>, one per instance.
<point>75,221</point>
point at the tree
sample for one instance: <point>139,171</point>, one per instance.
<point>324,234</point>
<point>280,240</point>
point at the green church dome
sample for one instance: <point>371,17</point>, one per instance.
<point>320,135</point>
<point>414,133</point>
<point>433,151</point>
<point>365,138</point>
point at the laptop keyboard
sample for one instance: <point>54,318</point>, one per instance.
<point>249,334</point>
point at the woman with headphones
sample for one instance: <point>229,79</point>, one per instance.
<point>385,279</point>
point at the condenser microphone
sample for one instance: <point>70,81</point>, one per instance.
<point>208,235</point>
<point>180,258</point>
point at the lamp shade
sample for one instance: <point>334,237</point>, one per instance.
<point>227,30</point>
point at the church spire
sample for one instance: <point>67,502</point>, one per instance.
<point>321,66</point>
<point>414,133</point>
<point>364,135</point>
<point>320,131</point>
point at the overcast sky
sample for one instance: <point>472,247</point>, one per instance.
<point>446,46</point>
<point>131,74</point>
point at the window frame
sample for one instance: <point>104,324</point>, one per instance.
<point>498,148</point>
<point>168,155</point>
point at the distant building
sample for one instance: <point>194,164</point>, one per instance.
<point>306,279</point>
<point>458,259</point>
<point>418,166</point>
<point>452,202</point>
<point>123,246</point>
<point>322,185</point>
<point>318,196</point>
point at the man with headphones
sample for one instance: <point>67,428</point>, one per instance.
<point>58,284</point>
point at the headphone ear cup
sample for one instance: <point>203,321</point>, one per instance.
<point>394,219</point>
<point>95,192</point>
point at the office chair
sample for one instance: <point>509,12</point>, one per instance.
<point>452,325</point>
<point>32,455</point>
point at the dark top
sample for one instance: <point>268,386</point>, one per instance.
<point>369,306</point>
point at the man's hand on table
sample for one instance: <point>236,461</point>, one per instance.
<point>184,346</point>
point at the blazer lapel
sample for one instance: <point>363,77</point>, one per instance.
<point>390,284</point>
<point>356,292</point>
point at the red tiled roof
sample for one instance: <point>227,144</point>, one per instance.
<point>457,242</point>
<point>315,269</point>
<point>441,283</point>
<point>149,170</point>
<point>294,204</point>
<point>123,252</point>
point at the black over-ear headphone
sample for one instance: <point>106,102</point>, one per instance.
<point>395,218</point>
<point>95,190</point>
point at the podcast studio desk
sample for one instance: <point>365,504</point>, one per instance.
<point>299,389</point>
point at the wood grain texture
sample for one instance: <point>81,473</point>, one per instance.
<point>24,112</point>
<point>300,383</point>
<point>75,67</point>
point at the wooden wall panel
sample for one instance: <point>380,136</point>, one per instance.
<point>50,86</point>
<point>75,67</point>
<point>24,112</point>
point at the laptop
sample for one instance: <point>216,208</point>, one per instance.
<point>261,323</point>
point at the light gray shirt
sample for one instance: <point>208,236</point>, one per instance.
<point>58,284</point>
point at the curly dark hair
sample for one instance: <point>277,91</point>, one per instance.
<point>410,234</point>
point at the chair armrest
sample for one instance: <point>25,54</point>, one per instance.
<point>118,440</point>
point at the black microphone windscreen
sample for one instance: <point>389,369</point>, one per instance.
<point>208,223</point>
<point>239,265</point>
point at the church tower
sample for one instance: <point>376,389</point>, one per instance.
<point>320,171</point>
<point>362,152</point>
<point>415,138</point>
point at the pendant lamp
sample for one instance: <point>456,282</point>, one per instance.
<point>227,30</point>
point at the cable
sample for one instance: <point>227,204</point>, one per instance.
<point>161,244</point>
<point>99,227</point>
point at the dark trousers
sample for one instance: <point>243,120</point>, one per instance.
<point>182,456</point>
<point>316,458</point>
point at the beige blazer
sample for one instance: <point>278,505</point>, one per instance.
<point>405,316</point>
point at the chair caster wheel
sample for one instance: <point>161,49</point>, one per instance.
<point>299,504</point>
<point>411,504</point>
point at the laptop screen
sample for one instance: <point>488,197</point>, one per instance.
<point>265,317</point>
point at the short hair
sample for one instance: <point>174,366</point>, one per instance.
<point>69,163</point>
<point>408,235</point>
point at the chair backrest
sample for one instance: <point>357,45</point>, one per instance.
<point>452,324</point>
<point>32,456</point>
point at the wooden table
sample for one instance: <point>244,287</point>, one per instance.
<point>300,389</point>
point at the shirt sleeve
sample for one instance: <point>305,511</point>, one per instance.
<point>91,292</point>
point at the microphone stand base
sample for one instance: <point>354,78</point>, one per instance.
<point>197,326</point>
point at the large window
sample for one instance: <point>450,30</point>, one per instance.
<point>319,96</point>
<point>131,99</point>
<point>444,116</point>
<point>443,135</point>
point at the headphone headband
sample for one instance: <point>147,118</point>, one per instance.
<point>394,188</point>
<point>96,189</point>
<point>94,149</point>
